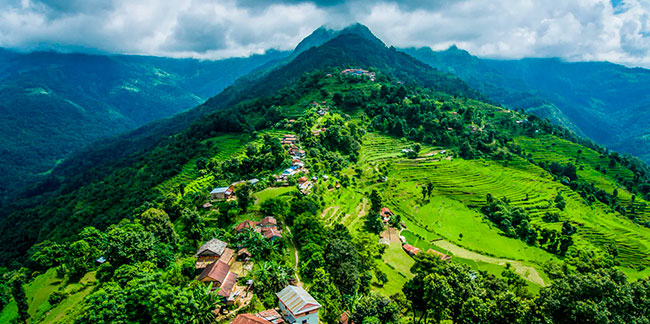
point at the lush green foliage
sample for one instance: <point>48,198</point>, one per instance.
<point>59,103</point>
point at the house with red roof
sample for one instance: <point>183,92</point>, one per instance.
<point>249,319</point>
<point>270,316</point>
<point>244,225</point>
<point>439,254</point>
<point>410,249</point>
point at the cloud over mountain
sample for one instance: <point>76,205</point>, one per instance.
<point>617,31</point>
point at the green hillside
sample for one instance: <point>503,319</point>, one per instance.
<point>53,104</point>
<point>604,102</point>
<point>516,220</point>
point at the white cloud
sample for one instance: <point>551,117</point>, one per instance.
<point>573,30</point>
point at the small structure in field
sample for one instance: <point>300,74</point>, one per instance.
<point>439,254</point>
<point>410,249</point>
<point>221,193</point>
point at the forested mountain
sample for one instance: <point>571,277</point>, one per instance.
<point>606,102</point>
<point>354,46</point>
<point>390,191</point>
<point>53,104</point>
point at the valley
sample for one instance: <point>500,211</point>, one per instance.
<point>362,186</point>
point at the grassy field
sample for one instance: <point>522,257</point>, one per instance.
<point>269,193</point>
<point>39,290</point>
<point>460,188</point>
<point>397,266</point>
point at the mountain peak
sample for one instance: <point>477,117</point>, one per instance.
<point>360,30</point>
<point>324,34</point>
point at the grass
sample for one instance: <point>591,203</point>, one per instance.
<point>460,187</point>
<point>224,146</point>
<point>269,193</point>
<point>39,290</point>
<point>397,266</point>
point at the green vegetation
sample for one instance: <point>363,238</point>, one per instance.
<point>461,177</point>
<point>68,101</point>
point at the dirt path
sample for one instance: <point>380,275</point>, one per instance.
<point>392,235</point>
<point>527,272</point>
<point>326,211</point>
<point>295,251</point>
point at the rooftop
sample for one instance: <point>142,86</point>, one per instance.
<point>219,190</point>
<point>297,300</point>
<point>215,271</point>
<point>215,246</point>
<point>249,319</point>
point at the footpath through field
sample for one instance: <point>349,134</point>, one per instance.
<point>527,272</point>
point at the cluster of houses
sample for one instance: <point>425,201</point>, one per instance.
<point>290,141</point>
<point>214,260</point>
<point>360,73</point>
<point>295,305</point>
<point>224,193</point>
<point>268,227</point>
<point>321,107</point>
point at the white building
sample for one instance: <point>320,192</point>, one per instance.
<point>298,306</point>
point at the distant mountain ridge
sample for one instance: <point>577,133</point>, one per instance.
<point>605,102</point>
<point>353,46</point>
<point>52,104</point>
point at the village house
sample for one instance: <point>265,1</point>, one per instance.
<point>219,275</point>
<point>270,316</point>
<point>289,139</point>
<point>360,73</point>
<point>271,233</point>
<point>249,319</point>
<point>386,214</point>
<point>269,221</point>
<point>244,225</point>
<point>300,154</point>
<point>298,306</point>
<point>305,187</point>
<point>410,249</point>
<point>222,193</point>
<point>212,251</point>
<point>440,255</point>
<point>268,227</point>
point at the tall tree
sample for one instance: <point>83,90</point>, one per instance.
<point>18,291</point>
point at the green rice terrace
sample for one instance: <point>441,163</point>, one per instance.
<point>451,222</point>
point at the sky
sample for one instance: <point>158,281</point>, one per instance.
<point>574,30</point>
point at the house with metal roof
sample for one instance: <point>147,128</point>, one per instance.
<point>298,306</point>
<point>221,193</point>
<point>210,252</point>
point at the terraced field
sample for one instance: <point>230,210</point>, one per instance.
<point>225,147</point>
<point>553,149</point>
<point>460,187</point>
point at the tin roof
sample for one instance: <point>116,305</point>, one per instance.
<point>249,319</point>
<point>215,271</point>
<point>297,300</point>
<point>219,190</point>
<point>214,246</point>
<point>228,284</point>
